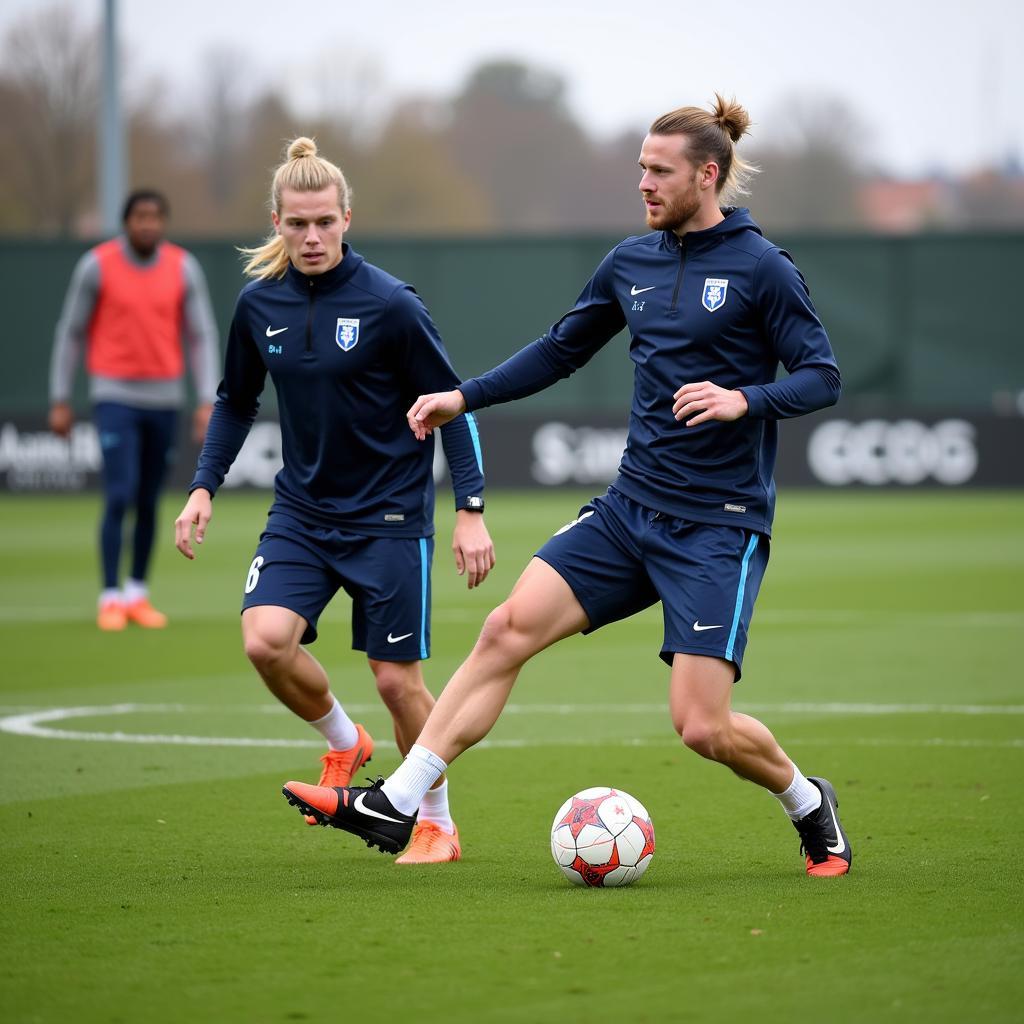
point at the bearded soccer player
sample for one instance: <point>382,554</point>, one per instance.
<point>712,308</point>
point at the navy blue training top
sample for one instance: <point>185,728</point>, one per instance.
<point>348,352</point>
<point>723,305</point>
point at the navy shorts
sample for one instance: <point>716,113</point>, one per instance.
<point>301,567</point>
<point>620,557</point>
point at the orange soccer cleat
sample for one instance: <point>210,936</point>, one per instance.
<point>430,844</point>
<point>341,765</point>
<point>823,842</point>
<point>364,811</point>
<point>143,614</point>
<point>111,617</point>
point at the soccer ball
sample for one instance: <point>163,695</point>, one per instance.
<point>602,837</point>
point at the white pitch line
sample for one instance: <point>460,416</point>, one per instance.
<point>33,724</point>
<point>780,707</point>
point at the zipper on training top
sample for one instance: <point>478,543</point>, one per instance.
<point>679,274</point>
<point>309,319</point>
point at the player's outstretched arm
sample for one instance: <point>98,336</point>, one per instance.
<point>197,513</point>
<point>705,401</point>
<point>472,547</point>
<point>429,411</point>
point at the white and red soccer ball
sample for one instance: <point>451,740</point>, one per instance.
<point>602,837</point>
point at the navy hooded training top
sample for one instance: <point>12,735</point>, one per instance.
<point>723,305</point>
<point>348,352</point>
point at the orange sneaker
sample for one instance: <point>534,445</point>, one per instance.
<point>430,844</point>
<point>112,616</point>
<point>341,765</point>
<point>143,614</point>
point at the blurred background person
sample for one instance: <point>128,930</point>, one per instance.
<point>131,302</point>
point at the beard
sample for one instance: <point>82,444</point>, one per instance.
<point>671,216</point>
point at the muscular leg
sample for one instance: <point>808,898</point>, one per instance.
<point>699,701</point>
<point>541,610</point>
<point>405,694</point>
<point>401,687</point>
<point>271,636</point>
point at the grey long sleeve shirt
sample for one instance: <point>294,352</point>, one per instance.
<point>199,329</point>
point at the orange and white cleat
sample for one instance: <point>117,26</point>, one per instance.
<point>341,765</point>
<point>143,614</point>
<point>111,617</point>
<point>430,844</point>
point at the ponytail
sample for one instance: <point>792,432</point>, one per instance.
<point>302,171</point>
<point>713,136</point>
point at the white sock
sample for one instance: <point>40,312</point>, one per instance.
<point>410,781</point>
<point>337,728</point>
<point>109,594</point>
<point>800,797</point>
<point>134,590</point>
<point>434,807</point>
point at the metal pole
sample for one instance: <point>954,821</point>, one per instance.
<point>111,161</point>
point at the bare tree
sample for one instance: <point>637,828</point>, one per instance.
<point>812,165</point>
<point>219,123</point>
<point>49,100</point>
<point>512,132</point>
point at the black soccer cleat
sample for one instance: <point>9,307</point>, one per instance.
<point>364,811</point>
<point>822,839</point>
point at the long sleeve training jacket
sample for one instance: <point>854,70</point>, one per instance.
<point>348,352</point>
<point>723,305</point>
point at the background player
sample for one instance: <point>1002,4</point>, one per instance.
<point>346,346</point>
<point>712,308</point>
<point>130,302</point>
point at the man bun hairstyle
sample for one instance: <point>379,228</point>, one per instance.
<point>303,170</point>
<point>712,136</point>
<point>731,117</point>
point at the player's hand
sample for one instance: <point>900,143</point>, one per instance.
<point>200,421</point>
<point>709,402</point>
<point>474,551</point>
<point>197,513</point>
<point>61,418</point>
<point>429,411</point>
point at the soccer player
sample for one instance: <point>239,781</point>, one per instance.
<point>346,345</point>
<point>712,307</point>
<point>130,301</point>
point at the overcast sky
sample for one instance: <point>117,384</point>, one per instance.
<point>938,84</point>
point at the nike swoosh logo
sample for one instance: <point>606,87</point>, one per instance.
<point>698,628</point>
<point>358,805</point>
<point>835,822</point>
<point>271,333</point>
<point>639,291</point>
<point>395,639</point>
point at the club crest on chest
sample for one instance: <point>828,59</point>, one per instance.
<point>715,290</point>
<point>347,333</point>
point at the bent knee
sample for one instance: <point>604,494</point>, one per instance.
<point>706,737</point>
<point>266,648</point>
<point>397,682</point>
<point>506,635</point>
<point>497,627</point>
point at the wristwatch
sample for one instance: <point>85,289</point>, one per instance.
<point>474,503</point>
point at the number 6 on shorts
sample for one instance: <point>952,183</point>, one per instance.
<point>254,574</point>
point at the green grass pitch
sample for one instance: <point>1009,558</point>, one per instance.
<point>169,881</point>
